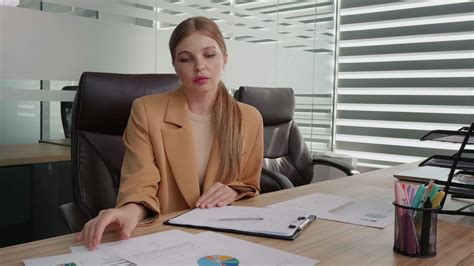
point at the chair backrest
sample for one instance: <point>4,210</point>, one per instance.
<point>100,114</point>
<point>66,113</point>
<point>285,151</point>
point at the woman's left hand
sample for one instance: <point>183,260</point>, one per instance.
<point>217,195</point>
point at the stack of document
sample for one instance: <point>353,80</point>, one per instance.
<point>426,174</point>
<point>271,222</point>
<point>371,213</point>
<point>177,247</point>
<point>439,175</point>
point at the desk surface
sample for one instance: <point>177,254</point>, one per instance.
<point>327,241</point>
<point>19,154</point>
<point>64,142</point>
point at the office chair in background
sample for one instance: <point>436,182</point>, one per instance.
<point>100,114</point>
<point>66,113</point>
<point>287,161</point>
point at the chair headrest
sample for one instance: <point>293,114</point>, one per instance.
<point>104,100</point>
<point>277,105</point>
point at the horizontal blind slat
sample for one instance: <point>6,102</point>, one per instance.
<point>402,75</point>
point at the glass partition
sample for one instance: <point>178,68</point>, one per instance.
<point>19,111</point>
<point>278,43</point>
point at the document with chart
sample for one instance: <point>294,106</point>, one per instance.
<point>175,247</point>
<point>204,249</point>
<point>368,213</point>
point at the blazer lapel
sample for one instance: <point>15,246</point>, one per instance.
<point>179,148</point>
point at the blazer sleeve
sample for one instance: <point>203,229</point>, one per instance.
<point>248,185</point>
<point>140,176</point>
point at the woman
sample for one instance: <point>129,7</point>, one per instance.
<point>194,147</point>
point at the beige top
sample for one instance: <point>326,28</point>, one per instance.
<point>203,137</point>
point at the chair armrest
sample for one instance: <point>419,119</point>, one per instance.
<point>273,181</point>
<point>348,169</point>
<point>75,216</point>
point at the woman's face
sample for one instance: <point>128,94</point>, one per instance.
<point>199,63</point>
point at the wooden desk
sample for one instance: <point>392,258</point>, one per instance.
<point>327,241</point>
<point>63,142</point>
<point>34,180</point>
<point>19,154</point>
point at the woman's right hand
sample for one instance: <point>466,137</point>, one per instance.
<point>124,219</point>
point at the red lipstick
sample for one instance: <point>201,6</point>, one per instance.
<point>201,80</point>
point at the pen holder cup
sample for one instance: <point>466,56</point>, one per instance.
<point>415,231</point>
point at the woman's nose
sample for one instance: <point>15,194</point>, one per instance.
<point>200,66</point>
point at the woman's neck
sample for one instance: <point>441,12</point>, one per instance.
<point>201,103</point>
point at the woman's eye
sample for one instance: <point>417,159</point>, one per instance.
<point>185,59</point>
<point>210,55</point>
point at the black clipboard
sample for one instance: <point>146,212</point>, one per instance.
<point>298,229</point>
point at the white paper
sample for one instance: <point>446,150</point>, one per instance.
<point>187,249</point>
<point>368,213</point>
<point>81,256</point>
<point>77,249</point>
<point>96,257</point>
<point>274,221</point>
<point>117,260</point>
<point>144,248</point>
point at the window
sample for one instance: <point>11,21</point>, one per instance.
<point>404,68</point>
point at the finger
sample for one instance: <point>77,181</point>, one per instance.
<point>91,236</point>
<point>127,229</point>
<point>213,203</point>
<point>225,202</point>
<point>229,196</point>
<point>112,226</point>
<point>88,234</point>
<point>206,203</point>
<point>212,200</point>
<point>232,196</point>
<point>102,223</point>
<point>225,198</point>
<point>207,193</point>
<point>80,236</point>
<point>85,234</point>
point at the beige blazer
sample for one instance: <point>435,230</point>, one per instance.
<point>159,168</point>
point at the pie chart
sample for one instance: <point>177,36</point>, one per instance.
<point>218,260</point>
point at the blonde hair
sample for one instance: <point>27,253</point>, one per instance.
<point>227,118</point>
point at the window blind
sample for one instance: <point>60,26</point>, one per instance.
<point>404,68</point>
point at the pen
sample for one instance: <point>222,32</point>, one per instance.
<point>418,196</point>
<point>405,194</point>
<point>241,219</point>
<point>306,221</point>
<point>425,228</point>
<point>437,199</point>
<point>428,189</point>
<point>433,192</point>
<point>409,234</point>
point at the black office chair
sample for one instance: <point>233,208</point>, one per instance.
<point>66,113</point>
<point>287,161</point>
<point>100,114</point>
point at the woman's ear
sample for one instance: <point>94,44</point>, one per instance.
<point>225,61</point>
